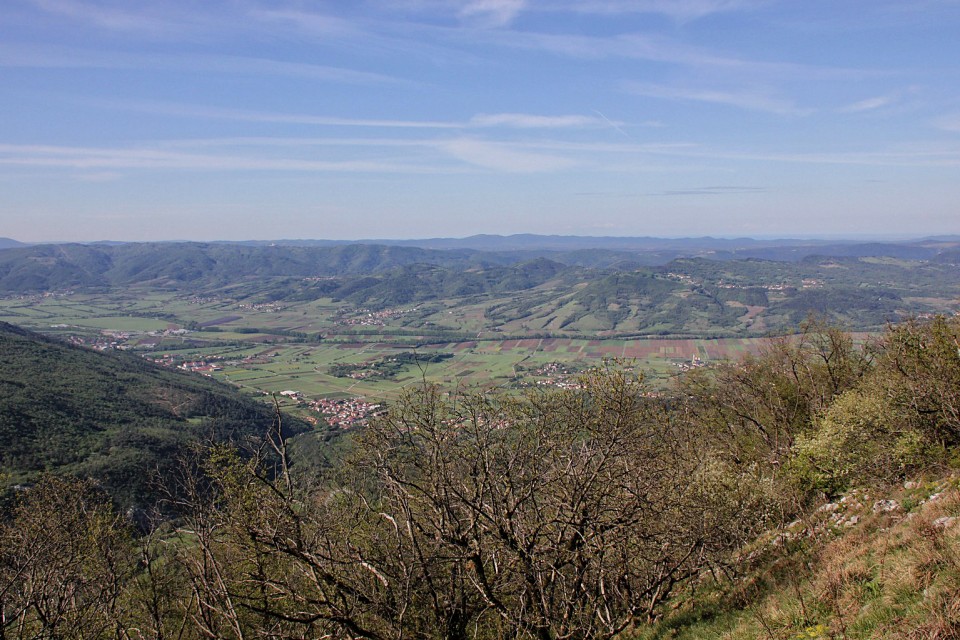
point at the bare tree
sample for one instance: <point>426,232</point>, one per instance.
<point>919,365</point>
<point>565,514</point>
<point>753,409</point>
<point>64,563</point>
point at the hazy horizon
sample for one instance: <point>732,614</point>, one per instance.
<point>852,238</point>
<point>418,119</point>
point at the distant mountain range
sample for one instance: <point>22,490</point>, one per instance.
<point>537,242</point>
<point>563,243</point>
<point>530,241</point>
<point>64,266</point>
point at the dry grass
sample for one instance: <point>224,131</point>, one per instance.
<point>891,575</point>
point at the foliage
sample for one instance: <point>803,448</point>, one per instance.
<point>64,562</point>
<point>566,514</point>
<point>919,372</point>
<point>856,440</point>
<point>388,367</point>
<point>753,410</point>
<point>899,419</point>
<point>115,418</point>
<point>601,511</point>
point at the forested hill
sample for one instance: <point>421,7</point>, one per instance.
<point>48,267</point>
<point>196,265</point>
<point>113,417</point>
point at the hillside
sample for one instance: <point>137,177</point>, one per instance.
<point>868,565</point>
<point>116,417</point>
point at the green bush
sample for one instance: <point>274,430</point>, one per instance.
<point>861,438</point>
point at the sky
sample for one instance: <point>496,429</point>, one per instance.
<point>257,119</point>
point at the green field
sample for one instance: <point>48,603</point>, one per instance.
<point>292,346</point>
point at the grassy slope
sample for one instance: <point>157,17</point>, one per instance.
<point>848,571</point>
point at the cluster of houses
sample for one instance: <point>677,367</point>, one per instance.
<point>681,277</point>
<point>362,374</point>
<point>554,374</point>
<point>109,339</point>
<point>367,318</point>
<point>560,382</point>
<point>553,369</point>
<point>269,307</point>
<point>104,342</point>
<point>806,283</point>
<point>340,413</point>
<point>695,363</point>
<point>345,413</point>
<point>201,366</point>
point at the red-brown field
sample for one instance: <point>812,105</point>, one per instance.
<point>641,349</point>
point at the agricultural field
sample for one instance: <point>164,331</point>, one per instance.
<point>309,369</point>
<point>323,349</point>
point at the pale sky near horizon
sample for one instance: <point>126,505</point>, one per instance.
<point>257,119</point>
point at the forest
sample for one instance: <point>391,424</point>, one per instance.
<point>612,509</point>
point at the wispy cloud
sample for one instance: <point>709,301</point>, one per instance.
<point>550,147</point>
<point>493,13</point>
<point>417,31</point>
<point>100,176</point>
<point>949,123</point>
<point>931,156</point>
<point>633,45</point>
<point>743,99</point>
<point>320,24</point>
<point>531,121</point>
<point>682,10</point>
<point>718,190</point>
<point>246,115</point>
<point>372,36</point>
<point>648,47</point>
<point>54,57</point>
<point>101,159</point>
<point>557,154</point>
<point>503,157</point>
<point>103,163</point>
<point>148,19</point>
<point>917,155</point>
<point>479,121</point>
<point>868,104</point>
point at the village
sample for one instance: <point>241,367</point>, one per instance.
<point>346,413</point>
<point>368,318</point>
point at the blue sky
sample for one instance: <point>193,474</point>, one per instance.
<point>243,119</point>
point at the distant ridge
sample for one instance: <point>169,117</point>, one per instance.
<point>90,266</point>
<point>538,242</point>
<point>10,243</point>
<point>780,249</point>
<point>727,248</point>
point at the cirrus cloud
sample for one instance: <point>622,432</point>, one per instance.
<point>503,157</point>
<point>533,121</point>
